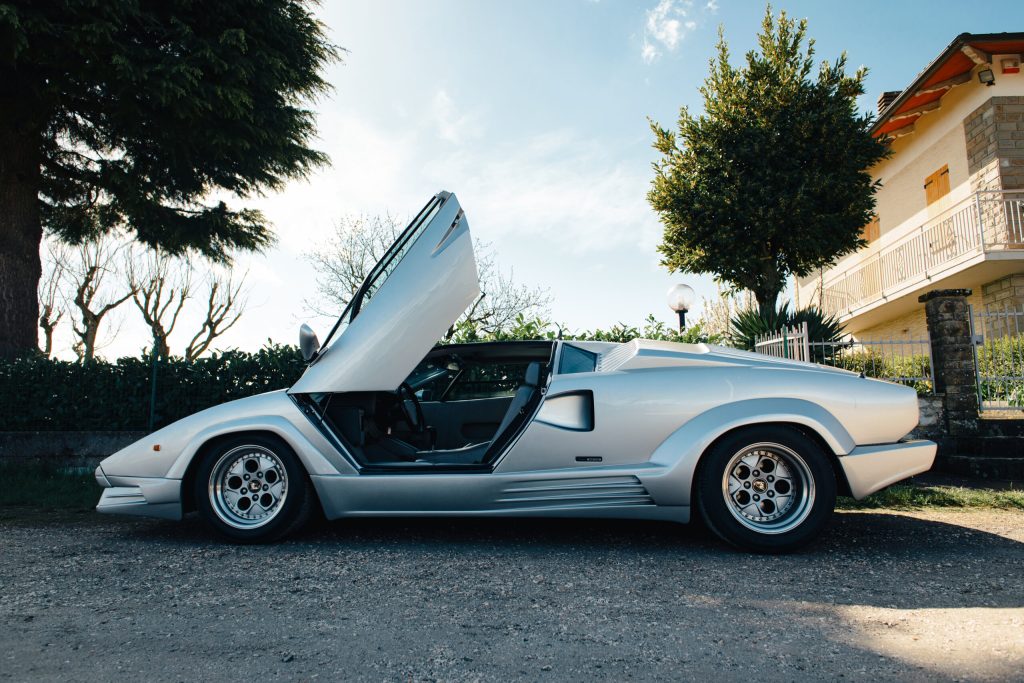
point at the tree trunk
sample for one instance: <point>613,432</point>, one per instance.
<point>766,299</point>
<point>92,328</point>
<point>20,236</point>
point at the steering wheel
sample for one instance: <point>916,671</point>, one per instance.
<point>418,425</point>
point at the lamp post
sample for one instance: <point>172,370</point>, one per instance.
<point>680,298</point>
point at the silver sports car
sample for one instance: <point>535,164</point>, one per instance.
<point>384,422</point>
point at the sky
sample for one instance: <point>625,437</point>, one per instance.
<point>535,114</point>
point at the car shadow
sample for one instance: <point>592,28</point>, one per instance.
<point>884,534</point>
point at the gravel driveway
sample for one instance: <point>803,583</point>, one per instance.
<point>884,595</point>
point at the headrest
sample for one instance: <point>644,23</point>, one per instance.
<point>532,377</point>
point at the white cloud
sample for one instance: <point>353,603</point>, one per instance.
<point>649,52</point>
<point>667,25</point>
<point>452,124</point>
<point>557,186</point>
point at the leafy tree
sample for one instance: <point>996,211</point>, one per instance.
<point>131,115</point>
<point>772,178</point>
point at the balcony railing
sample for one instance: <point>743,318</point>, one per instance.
<point>987,221</point>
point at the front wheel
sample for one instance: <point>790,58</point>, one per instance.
<point>253,489</point>
<point>766,489</point>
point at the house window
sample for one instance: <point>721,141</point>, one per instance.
<point>870,231</point>
<point>937,185</point>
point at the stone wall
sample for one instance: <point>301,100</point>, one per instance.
<point>949,329</point>
<point>995,144</point>
<point>76,449</point>
<point>932,423</point>
<point>1004,292</point>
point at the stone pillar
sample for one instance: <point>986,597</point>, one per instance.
<point>949,328</point>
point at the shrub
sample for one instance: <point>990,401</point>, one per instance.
<point>750,324</point>
<point>537,328</point>
<point>38,393</point>
<point>909,370</point>
<point>1001,370</point>
<point>47,394</point>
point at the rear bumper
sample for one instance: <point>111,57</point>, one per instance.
<point>871,468</point>
<point>141,496</point>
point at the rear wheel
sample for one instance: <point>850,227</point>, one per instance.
<point>253,489</point>
<point>766,489</point>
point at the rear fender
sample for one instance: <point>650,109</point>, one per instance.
<point>678,455</point>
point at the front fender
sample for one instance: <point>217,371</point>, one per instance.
<point>312,457</point>
<point>167,452</point>
<point>678,455</point>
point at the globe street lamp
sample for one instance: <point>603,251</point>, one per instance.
<point>680,298</point>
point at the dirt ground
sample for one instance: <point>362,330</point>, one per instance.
<point>884,595</point>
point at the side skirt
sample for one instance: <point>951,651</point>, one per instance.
<point>608,493</point>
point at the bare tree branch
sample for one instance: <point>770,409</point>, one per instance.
<point>52,305</point>
<point>162,285</point>
<point>91,273</point>
<point>224,306</point>
<point>359,241</point>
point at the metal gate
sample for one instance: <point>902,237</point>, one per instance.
<point>999,357</point>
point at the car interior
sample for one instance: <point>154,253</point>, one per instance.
<point>457,409</point>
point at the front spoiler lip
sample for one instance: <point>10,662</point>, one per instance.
<point>872,468</point>
<point>140,496</point>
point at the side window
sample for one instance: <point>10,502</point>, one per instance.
<point>487,380</point>
<point>433,388</point>
<point>936,185</point>
<point>575,360</point>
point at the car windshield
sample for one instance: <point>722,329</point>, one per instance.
<point>387,264</point>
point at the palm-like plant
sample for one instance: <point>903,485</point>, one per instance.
<point>748,325</point>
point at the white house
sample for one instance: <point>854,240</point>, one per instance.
<point>950,210</point>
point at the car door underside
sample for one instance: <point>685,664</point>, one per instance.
<point>458,409</point>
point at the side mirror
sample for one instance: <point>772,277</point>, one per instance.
<point>308,343</point>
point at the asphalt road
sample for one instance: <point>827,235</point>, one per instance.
<point>937,595</point>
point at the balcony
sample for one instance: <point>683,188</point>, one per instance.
<point>985,226</point>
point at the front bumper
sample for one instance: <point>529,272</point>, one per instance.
<point>142,496</point>
<point>871,468</point>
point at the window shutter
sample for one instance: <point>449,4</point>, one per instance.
<point>936,185</point>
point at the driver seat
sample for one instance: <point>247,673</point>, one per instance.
<point>475,453</point>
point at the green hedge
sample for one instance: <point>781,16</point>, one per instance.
<point>914,371</point>
<point>39,393</point>
<point>43,394</point>
<point>1001,367</point>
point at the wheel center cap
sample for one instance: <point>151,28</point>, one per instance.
<point>254,485</point>
<point>759,485</point>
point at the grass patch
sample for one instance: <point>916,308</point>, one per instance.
<point>911,497</point>
<point>47,486</point>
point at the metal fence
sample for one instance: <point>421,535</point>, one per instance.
<point>907,361</point>
<point>790,342</point>
<point>999,357</point>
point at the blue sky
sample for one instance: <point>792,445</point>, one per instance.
<point>534,113</point>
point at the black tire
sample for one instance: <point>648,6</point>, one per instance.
<point>291,511</point>
<point>811,489</point>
